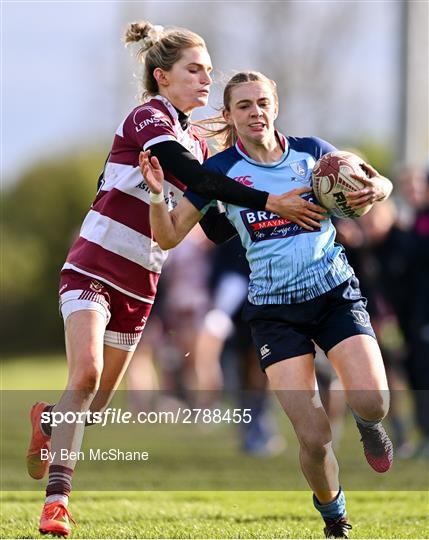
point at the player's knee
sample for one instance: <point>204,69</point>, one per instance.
<point>87,379</point>
<point>375,406</point>
<point>315,443</point>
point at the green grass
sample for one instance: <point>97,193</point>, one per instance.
<point>260,502</point>
<point>219,515</point>
<point>47,372</point>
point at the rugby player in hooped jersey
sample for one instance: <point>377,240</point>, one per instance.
<point>108,282</point>
<point>301,290</point>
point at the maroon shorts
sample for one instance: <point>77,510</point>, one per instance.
<point>125,316</point>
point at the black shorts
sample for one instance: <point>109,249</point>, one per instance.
<point>282,331</point>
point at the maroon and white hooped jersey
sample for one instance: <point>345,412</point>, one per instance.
<point>115,243</point>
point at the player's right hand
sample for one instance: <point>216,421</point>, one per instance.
<point>292,206</point>
<point>377,188</point>
<point>152,171</point>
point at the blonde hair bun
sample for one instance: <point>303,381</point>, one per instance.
<point>144,33</point>
<point>158,47</point>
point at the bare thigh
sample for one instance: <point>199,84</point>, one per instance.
<point>93,365</point>
<point>359,365</point>
<point>294,381</point>
<point>84,332</point>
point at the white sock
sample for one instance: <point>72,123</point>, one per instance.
<point>60,498</point>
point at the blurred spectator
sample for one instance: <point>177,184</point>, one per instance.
<point>412,184</point>
<point>228,283</point>
<point>185,300</point>
<point>415,186</point>
<point>225,336</point>
<point>142,380</point>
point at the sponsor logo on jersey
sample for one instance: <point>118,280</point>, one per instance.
<point>263,225</point>
<point>245,180</point>
<point>157,119</point>
<point>170,199</point>
<point>265,351</point>
<point>95,286</point>
<point>361,317</point>
<point>142,185</point>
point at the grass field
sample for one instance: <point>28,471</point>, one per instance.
<point>248,513</point>
<point>219,515</point>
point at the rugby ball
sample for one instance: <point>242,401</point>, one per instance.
<point>332,181</point>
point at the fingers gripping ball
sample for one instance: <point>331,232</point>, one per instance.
<point>332,181</point>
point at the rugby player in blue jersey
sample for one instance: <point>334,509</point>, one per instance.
<point>302,289</point>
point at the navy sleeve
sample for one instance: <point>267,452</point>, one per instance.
<point>198,201</point>
<point>217,226</point>
<point>322,147</point>
<point>312,145</point>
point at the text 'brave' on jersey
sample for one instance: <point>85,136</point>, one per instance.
<point>263,225</point>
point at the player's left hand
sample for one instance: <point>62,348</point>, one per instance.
<point>151,171</point>
<point>377,188</point>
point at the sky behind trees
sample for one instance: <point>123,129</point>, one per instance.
<point>68,80</point>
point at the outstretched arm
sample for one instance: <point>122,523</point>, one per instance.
<point>213,185</point>
<point>169,227</point>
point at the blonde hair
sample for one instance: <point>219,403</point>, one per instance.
<point>226,135</point>
<point>159,48</point>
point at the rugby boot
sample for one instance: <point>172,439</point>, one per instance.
<point>337,528</point>
<point>36,467</point>
<point>56,519</point>
<point>377,447</point>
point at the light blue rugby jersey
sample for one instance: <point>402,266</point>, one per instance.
<point>288,263</point>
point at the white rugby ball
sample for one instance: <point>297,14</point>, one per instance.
<point>332,181</point>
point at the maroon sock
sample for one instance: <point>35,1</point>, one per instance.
<point>46,427</point>
<point>59,480</point>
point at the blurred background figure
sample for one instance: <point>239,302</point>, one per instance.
<point>225,354</point>
<point>228,286</point>
<point>411,195</point>
<point>142,379</point>
<point>414,184</point>
<point>185,301</point>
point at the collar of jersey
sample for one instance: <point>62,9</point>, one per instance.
<point>171,109</point>
<point>283,142</point>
